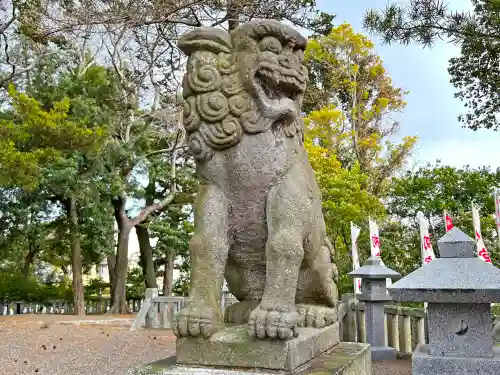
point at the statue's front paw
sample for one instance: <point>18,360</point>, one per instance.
<point>316,316</point>
<point>197,321</point>
<point>273,324</point>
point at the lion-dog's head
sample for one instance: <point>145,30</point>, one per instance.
<point>248,81</point>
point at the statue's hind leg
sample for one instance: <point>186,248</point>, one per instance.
<point>208,250</point>
<point>317,294</point>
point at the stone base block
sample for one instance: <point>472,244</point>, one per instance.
<point>347,358</point>
<point>344,359</point>
<point>233,347</point>
<point>425,364</point>
<point>383,353</point>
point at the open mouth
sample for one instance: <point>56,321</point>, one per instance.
<point>276,85</point>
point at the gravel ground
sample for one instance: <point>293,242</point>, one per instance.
<point>399,367</point>
<point>40,344</point>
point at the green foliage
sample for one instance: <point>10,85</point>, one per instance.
<point>14,287</point>
<point>349,103</point>
<point>94,286</point>
<point>495,310</point>
<point>33,139</point>
<point>173,229</point>
<point>136,287</point>
<point>476,72</point>
<point>431,190</point>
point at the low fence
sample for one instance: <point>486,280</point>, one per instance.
<point>158,311</point>
<point>99,305</point>
<point>404,326</point>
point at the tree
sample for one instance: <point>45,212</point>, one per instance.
<point>19,52</point>
<point>48,149</point>
<point>345,200</point>
<point>158,224</point>
<point>173,230</point>
<point>435,188</point>
<point>349,103</point>
<point>476,73</point>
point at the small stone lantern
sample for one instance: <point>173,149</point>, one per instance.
<point>374,294</point>
<point>459,288</point>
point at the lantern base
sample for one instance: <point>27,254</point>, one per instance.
<point>383,353</point>
<point>425,364</point>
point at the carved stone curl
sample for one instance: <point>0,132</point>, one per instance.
<point>258,219</point>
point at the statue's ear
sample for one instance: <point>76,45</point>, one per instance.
<point>205,39</point>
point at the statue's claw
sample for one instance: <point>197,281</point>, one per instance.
<point>273,324</point>
<point>316,316</point>
<point>197,321</point>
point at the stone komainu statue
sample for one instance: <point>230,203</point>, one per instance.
<point>258,218</point>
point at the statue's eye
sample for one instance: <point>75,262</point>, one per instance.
<point>270,43</point>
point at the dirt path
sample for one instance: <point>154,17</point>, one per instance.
<point>40,344</point>
<point>400,367</point>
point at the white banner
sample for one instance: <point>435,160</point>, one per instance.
<point>497,213</point>
<point>374,239</point>
<point>355,230</point>
<point>427,251</point>
<point>375,243</point>
<point>482,252</point>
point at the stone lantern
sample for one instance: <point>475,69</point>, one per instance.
<point>374,293</point>
<point>459,288</point>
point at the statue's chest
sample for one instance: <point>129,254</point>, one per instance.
<point>260,160</point>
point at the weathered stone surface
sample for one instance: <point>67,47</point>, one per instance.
<point>425,364</point>
<point>258,206</point>
<point>383,353</point>
<point>458,289</point>
<point>344,359</point>
<point>450,280</point>
<point>374,293</point>
<point>347,358</point>
<point>374,269</point>
<point>460,330</point>
<point>456,244</point>
<point>233,347</point>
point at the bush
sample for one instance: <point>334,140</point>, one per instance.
<point>94,286</point>
<point>136,287</point>
<point>15,287</point>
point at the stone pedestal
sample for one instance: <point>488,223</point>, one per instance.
<point>344,359</point>
<point>233,347</point>
<point>423,363</point>
<point>458,288</point>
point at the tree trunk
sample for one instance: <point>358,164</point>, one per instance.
<point>118,298</point>
<point>125,225</point>
<point>120,269</point>
<point>28,260</point>
<point>168,276</point>
<point>76,258</point>
<point>148,267</point>
<point>111,262</point>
